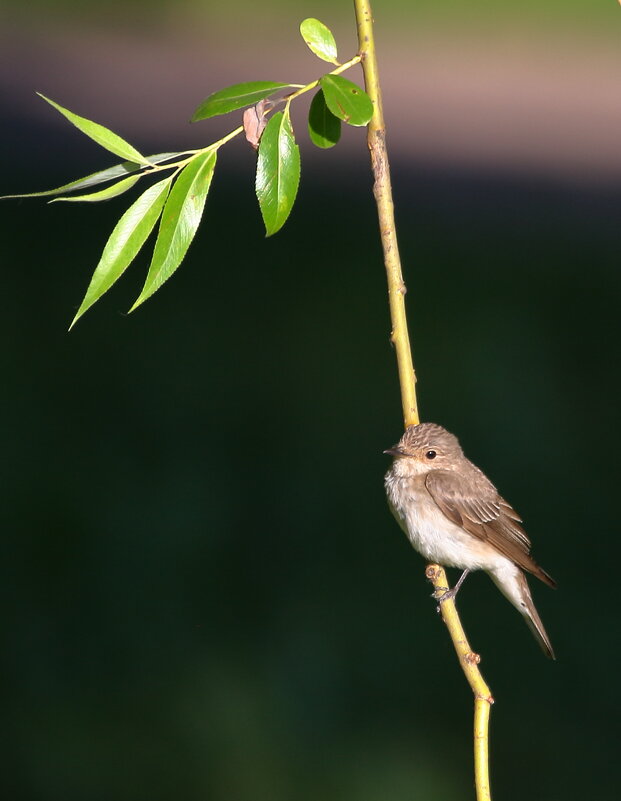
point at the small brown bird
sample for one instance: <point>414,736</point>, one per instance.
<point>454,516</point>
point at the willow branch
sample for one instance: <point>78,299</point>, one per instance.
<point>382,189</point>
<point>469,662</point>
<point>407,379</point>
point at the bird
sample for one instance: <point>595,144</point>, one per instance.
<point>454,516</point>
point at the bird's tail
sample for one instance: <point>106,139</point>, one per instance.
<point>534,623</point>
<point>515,588</point>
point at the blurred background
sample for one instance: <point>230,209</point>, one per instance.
<point>204,596</point>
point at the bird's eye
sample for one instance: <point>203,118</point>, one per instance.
<point>430,455</point>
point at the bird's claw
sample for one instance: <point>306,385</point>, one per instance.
<point>446,595</point>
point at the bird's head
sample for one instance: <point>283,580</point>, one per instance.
<point>425,447</point>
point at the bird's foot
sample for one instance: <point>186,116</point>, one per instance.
<point>445,593</point>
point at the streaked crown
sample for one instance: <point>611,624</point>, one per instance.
<point>427,442</point>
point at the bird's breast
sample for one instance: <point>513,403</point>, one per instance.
<point>431,533</point>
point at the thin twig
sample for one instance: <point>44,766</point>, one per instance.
<point>407,377</point>
<point>469,662</point>
<point>382,189</point>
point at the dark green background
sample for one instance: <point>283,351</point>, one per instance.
<point>204,596</point>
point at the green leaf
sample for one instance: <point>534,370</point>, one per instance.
<point>103,136</point>
<point>346,100</point>
<point>128,236</point>
<point>234,97</point>
<point>319,39</point>
<point>180,219</point>
<point>278,172</point>
<point>103,194</point>
<point>100,177</point>
<point>323,127</point>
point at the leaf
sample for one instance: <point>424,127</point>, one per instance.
<point>323,127</point>
<point>319,39</point>
<point>180,219</point>
<point>103,136</point>
<point>128,236</point>
<point>346,100</point>
<point>255,122</point>
<point>103,194</point>
<point>278,172</point>
<point>234,97</point>
<point>98,177</point>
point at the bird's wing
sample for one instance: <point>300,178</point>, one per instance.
<point>475,505</point>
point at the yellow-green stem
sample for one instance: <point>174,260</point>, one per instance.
<point>382,190</point>
<point>469,662</point>
<point>407,378</point>
<point>337,71</point>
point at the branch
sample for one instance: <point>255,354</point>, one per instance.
<point>469,662</point>
<point>407,378</point>
<point>382,189</point>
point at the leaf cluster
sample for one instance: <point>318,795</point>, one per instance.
<point>177,201</point>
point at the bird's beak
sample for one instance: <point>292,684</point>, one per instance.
<point>394,451</point>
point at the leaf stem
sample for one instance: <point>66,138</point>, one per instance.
<point>192,154</point>
<point>310,86</point>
